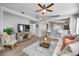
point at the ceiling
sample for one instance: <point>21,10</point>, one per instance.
<point>30,8</point>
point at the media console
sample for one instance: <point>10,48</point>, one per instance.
<point>22,36</point>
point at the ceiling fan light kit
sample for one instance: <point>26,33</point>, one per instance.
<point>43,11</point>
<point>45,8</point>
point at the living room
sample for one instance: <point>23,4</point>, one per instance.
<point>23,29</point>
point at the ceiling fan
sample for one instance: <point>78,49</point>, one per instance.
<point>45,8</point>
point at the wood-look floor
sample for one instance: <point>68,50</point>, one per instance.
<point>17,50</point>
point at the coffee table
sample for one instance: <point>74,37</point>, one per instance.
<point>46,45</point>
<point>36,50</point>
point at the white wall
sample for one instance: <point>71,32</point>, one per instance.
<point>32,29</point>
<point>72,24</point>
<point>11,20</point>
<point>42,28</point>
<point>1,19</point>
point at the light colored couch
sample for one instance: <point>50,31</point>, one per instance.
<point>70,50</point>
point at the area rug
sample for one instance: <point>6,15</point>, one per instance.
<point>36,50</point>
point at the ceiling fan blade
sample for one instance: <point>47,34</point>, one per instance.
<point>44,7</point>
<point>40,5</point>
<point>38,10</point>
<point>49,10</point>
<point>50,5</point>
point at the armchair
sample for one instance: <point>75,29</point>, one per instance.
<point>1,44</point>
<point>8,40</point>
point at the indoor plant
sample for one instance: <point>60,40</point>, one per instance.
<point>9,30</point>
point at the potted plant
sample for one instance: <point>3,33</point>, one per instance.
<point>9,30</point>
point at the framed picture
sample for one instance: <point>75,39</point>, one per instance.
<point>66,27</point>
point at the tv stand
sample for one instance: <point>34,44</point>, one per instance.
<point>22,36</point>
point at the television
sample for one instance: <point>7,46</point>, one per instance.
<point>27,26</point>
<point>23,28</point>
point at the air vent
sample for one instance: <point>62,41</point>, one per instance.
<point>22,12</point>
<point>53,16</point>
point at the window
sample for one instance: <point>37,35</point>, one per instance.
<point>77,26</point>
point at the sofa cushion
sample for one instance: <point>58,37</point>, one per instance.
<point>67,49</point>
<point>11,42</point>
<point>74,47</point>
<point>71,49</point>
<point>77,38</point>
<point>68,40</point>
<point>6,37</point>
